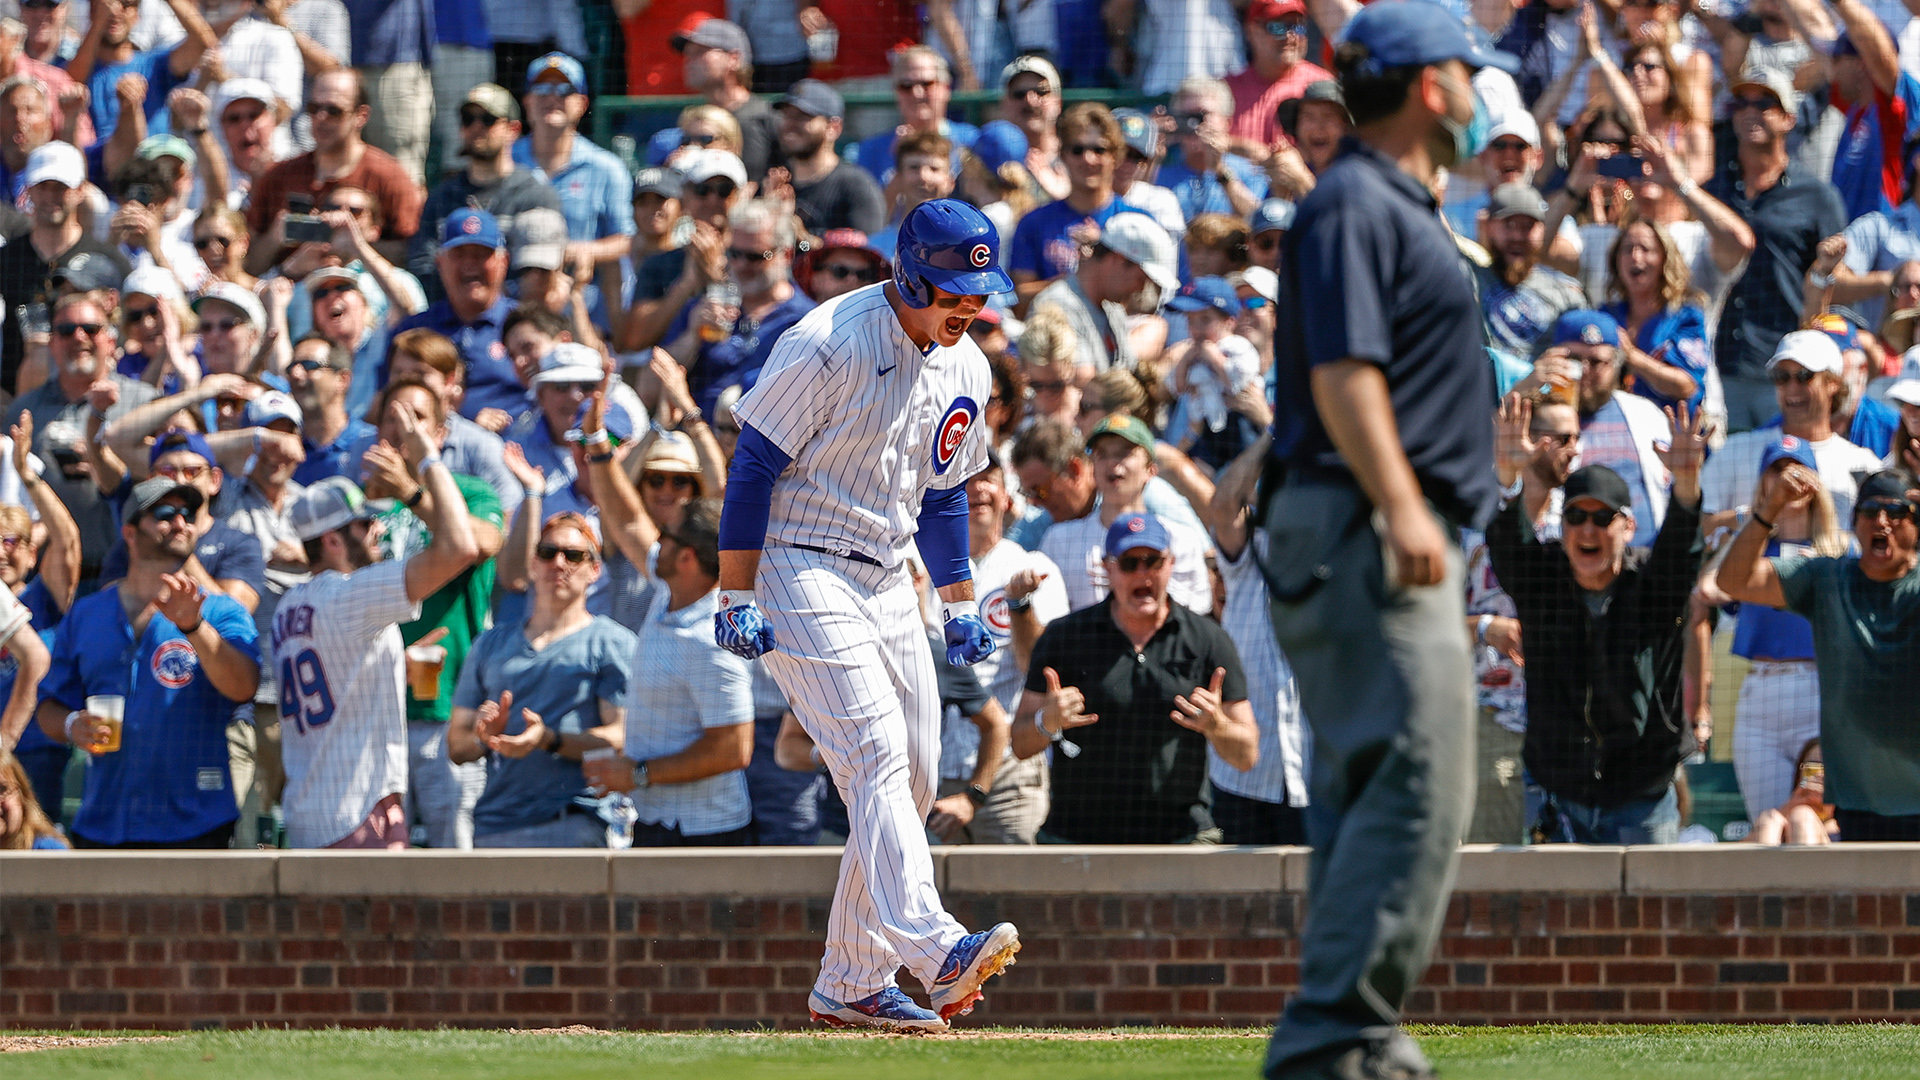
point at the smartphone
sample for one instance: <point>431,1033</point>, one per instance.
<point>33,320</point>
<point>1622,167</point>
<point>1190,123</point>
<point>140,193</point>
<point>299,203</point>
<point>302,226</point>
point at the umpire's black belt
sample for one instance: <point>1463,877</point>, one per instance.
<point>856,556</point>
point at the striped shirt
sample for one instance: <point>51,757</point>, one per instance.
<point>683,686</point>
<point>1079,546</point>
<point>1281,774</point>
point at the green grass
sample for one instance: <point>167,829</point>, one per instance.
<point>1544,1053</point>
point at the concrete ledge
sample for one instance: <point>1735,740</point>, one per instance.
<point>742,872</point>
<point>1075,870</point>
<point>1741,868</point>
<point>1551,868</point>
<point>80,875</point>
<point>443,873</point>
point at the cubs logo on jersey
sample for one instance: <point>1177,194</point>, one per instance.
<point>998,616</point>
<point>951,432</point>
<point>174,664</point>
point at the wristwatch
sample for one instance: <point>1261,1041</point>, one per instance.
<point>554,741</point>
<point>976,795</point>
<point>1021,604</point>
<point>692,416</point>
<point>1040,721</point>
<point>1486,621</point>
<point>640,780</point>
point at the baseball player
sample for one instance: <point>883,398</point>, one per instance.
<point>858,438</point>
<point>336,646</point>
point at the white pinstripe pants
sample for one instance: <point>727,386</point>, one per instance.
<point>1778,712</point>
<point>851,655</point>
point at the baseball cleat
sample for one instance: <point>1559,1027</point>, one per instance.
<point>888,1010</point>
<point>977,958</point>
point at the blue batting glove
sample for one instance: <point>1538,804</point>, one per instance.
<point>968,641</point>
<point>739,627</point>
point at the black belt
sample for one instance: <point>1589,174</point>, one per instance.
<point>854,555</point>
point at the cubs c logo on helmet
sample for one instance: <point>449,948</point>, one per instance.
<point>174,663</point>
<point>951,432</point>
<point>980,256</point>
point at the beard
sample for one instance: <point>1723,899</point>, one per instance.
<point>1512,270</point>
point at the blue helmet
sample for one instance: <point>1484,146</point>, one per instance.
<point>950,244</point>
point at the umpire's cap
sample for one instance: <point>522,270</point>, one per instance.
<point>1417,33</point>
<point>949,244</point>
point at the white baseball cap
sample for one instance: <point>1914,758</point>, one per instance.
<point>1814,350</point>
<point>239,296</point>
<point>58,161</point>
<point>1516,122</point>
<point>233,90</point>
<point>152,280</point>
<point>570,362</point>
<point>1906,389</point>
<point>273,405</point>
<point>1140,240</point>
<point>1261,280</point>
<point>703,165</point>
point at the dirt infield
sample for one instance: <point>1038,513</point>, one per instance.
<point>20,1044</point>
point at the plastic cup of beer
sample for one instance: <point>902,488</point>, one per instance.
<point>599,753</point>
<point>111,708</point>
<point>1569,393</point>
<point>423,670</point>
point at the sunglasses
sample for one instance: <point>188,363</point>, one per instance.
<point>141,314</point>
<point>1096,149</point>
<point>690,139</point>
<point>63,329</point>
<point>327,292</point>
<point>166,512</point>
<point>713,189</point>
<point>1039,89</point>
<point>581,388</point>
<point>551,552</point>
<point>858,273</point>
<point>1556,438</point>
<point>311,366</point>
<point>8,543</point>
<point>1510,146</point>
<point>1782,378</point>
<point>1287,27</point>
<point>1254,303</point>
<point>658,481</point>
<point>1895,509</point>
<point>331,112</point>
<point>1755,101</point>
<point>470,117</point>
<point>219,326</point>
<point>202,243</point>
<point>909,87</point>
<point>1580,515</point>
<point>1133,564</point>
<point>552,89</point>
<point>1639,66</point>
<point>185,474</point>
<point>750,256</point>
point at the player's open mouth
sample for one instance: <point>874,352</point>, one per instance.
<point>958,325</point>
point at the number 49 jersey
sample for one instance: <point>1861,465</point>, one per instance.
<point>343,721</point>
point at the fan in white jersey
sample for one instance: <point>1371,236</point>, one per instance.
<point>856,441</point>
<point>336,646</point>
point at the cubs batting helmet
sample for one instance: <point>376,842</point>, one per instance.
<point>947,243</point>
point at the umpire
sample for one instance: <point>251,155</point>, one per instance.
<point>1383,447</point>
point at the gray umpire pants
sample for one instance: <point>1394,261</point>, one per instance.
<point>1386,681</point>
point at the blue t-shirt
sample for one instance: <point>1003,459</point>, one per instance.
<point>169,781</point>
<point>1874,425</point>
<point>391,31</point>
<point>1202,193</point>
<point>151,66</point>
<point>1769,633</point>
<point>875,153</point>
<point>461,22</point>
<point>491,382</point>
<point>338,458</point>
<point>1677,337</point>
<point>740,357</point>
<point>1041,245</point>
<point>596,191</point>
<point>563,684</point>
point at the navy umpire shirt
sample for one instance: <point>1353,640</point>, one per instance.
<point>1369,273</point>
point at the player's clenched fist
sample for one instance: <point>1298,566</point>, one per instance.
<point>968,641</point>
<point>1065,708</point>
<point>739,627</point>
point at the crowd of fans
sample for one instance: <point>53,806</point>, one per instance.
<point>252,350</point>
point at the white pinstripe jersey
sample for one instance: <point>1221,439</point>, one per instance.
<point>870,422</point>
<point>1079,548</point>
<point>343,714</point>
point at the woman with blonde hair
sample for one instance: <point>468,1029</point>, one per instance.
<point>24,825</point>
<point>1650,294</point>
<point>708,127</point>
<point>1048,347</point>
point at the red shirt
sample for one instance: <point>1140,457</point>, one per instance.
<point>1254,100</point>
<point>377,173</point>
<point>869,32</point>
<point>653,68</point>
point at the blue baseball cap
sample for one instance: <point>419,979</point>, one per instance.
<point>178,439</point>
<point>1137,531</point>
<point>1417,33</point>
<point>1202,294</point>
<point>1788,448</point>
<point>468,225</point>
<point>1000,142</point>
<point>1582,326</point>
<point>562,63</point>
<point>615,419</point>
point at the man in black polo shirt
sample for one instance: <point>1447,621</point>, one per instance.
<point>1384,434</point>
<point>1142,686</point>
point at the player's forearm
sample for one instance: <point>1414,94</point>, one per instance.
<point>958,591</point>
<point>1355,407</point>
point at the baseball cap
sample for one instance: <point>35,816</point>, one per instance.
<point>327,274</point>
<point>1885,484</point>
<point>1519,123</point>
<point>149,279</point>
<point>1417,33</point>
<point>1273,215</point>
<point>567,66</point>
<point>235,296</point>
<point>1772,80</point>
<point>233,90</point>
<point>496,100</point>
<point>703,165</point>
<point>1788,448</point>
<point>467,226</point>
<point>327,505</point>
<point>58,161</point>
<point>1599,483</point>
<point>1516,199</point>
<point>654,180</point>
<point>619,425</point>
<point>1035,64</point>
<point>1137,531</point>
<point>815,98</point>
<point>175,440</point>
<point>999,142</point>
<point>714,33</point>
<point>1584,326</point>
<point>1906,389</point>
<point>1261,280</point>
<point>1141,241</point>
<point>148,494</point>
<point>849,240</point>
<point>539,239</point>
<point>671,452</point>
<point>1834,323</point>
<point>570,362</point>
<point>270,406</point>
<point>1814,350</point>
<point>1287,113</point>
<point>1138,132</point>
<point>1261,11</point>
<point>1130,428</point>
<point>1207,293</point>
<point>173,146</point>
<point>86,272</point>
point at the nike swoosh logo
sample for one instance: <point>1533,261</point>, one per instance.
<point>886,369</point>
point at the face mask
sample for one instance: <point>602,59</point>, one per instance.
<point>1471,138</point>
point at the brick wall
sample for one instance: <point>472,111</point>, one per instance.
<point>1111,937</point>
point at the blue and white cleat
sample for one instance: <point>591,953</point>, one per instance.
<point>977,958</point>
<point>888,1010</point>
